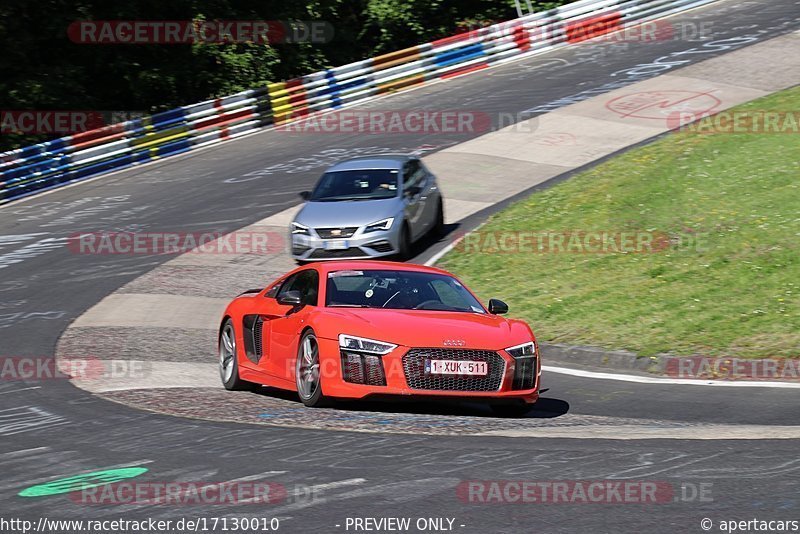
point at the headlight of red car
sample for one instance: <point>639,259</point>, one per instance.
<point>361,344</point>
<point>361,360</point>
<point>521,351</point>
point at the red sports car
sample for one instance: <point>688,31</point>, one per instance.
<point>355,329</point>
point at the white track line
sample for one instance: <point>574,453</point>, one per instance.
<point>438,256</point>
<point>338,484</point>
<point>18,390</point>
<point>680,381</point>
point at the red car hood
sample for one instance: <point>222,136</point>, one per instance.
<point>426,328</point>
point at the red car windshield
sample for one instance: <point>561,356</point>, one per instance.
<point>398,290</point>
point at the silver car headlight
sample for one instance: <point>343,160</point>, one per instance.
<point>526,350</point>
<point>361,344</point>
<point>299,229</point>
<point>381,225</point>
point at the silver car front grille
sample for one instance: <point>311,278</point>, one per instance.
<point>336,233</point>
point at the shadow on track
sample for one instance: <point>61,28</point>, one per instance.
<point>545,408</point>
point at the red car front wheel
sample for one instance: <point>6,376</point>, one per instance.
<point>307,371</point>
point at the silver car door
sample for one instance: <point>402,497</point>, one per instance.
<point>412,196</point>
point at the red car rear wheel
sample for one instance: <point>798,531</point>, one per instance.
<point>228,360</point>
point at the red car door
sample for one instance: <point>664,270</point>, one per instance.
<point>286,323</point>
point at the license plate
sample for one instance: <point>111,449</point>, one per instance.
<point>336,244</point>
<point>455,367</point>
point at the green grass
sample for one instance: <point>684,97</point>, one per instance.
<point>736,296</point>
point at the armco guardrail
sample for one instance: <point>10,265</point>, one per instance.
<point>75,157</point>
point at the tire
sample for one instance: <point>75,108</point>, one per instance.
<point>405,244</point>
<point>307,372</point>
<point>511,410</point>
<point>438,227</point>
<point>228,360</point>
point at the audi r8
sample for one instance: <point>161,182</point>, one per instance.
<point>359,329</point>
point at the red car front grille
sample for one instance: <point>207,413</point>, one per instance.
<point>416,377</point>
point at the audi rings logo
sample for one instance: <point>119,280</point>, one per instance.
<point>454,343</point>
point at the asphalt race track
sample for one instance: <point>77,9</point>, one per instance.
<point>50,429</point>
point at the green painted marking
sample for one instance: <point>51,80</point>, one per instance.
<point>81,482</point>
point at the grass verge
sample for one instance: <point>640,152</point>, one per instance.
<point>726,282</point>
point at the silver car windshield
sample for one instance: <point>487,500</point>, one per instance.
<point>398,290</point>
<point>371,184</point>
